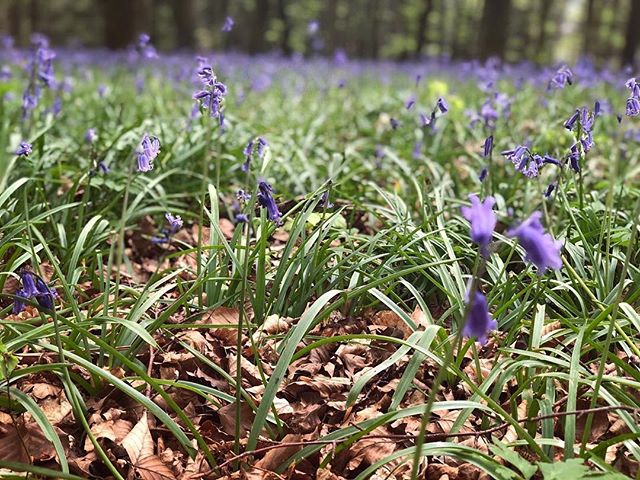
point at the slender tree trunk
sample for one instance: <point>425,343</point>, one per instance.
<point>15,20</point>
<point>494,28</point>
<point>286,27</point>
<point>120,22</point>
<point>34,16</point>
<point>590,28</point>
<point>541,38</point>
<point>374,45</point>
<point>183,12</point>
<point>423,18</point>
<point>260,17</point>
<point>632,37</point>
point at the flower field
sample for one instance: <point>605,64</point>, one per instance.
<point>257,267</point>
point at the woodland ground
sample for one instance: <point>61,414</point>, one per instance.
<point>345,313</point>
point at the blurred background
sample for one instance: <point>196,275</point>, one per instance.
<point>543,31</point>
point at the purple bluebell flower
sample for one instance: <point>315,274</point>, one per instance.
<point>483,221</point>
<point>633,107</point>
<point>147,152</point>
<point>266,200</point>
<point>379,151</point>
<point>549,190</point>
<point>417,150</point>
<point>212,96</point>
<point>596,108</point>
<point>571,122</point>
<point>487,147</point>
<point>483,174</point>
<point>563,77</point>
<point>540,247</point>
<point>174,221</point>
<point>247,152</point>
<point>241,218</point>
<point>312,27</point>
<point>425,120</point>
<point>174,224</point>
<point>91,136</point>
<point>479,322</point>
<point>103,167</point>
<point>243,196</point>
<point>574,157</point>
<point>262,144</point>
<point>409,103</point>
<point>441,105</point>
<point>5,73</point>
<point>24,149</point>
<point>144,48</point>
<point>549,159</point>
<point>228,24</point>
<point>394,123</point>
<point>324,200</point>
<point>33,287</point>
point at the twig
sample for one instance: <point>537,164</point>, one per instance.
<point>434,437</point>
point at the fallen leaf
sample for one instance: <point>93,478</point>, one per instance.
<point>139,446</point>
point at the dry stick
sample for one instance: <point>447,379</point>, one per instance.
<point>437,436</point>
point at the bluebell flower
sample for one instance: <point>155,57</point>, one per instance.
<point>549,190</point>
<point>33,287</point>
<point>266,200</point>
<point>247,152</point>
<point>487,147</point>
<point>241,218</point>
<point>312,27</point>
<point>441,105</point>
<point>563,77</point>
<point>91,136</point>
<point>211,98</point>
<point>417,150</point>
<point>571,122</point>
<point>479,322</point>
<point>394,123</point>
<point>574,157</point>
<point>425,120</point>
<point>409,103</point>
<point>483,174</point>
<point>103,167</point>
<point>633,107</point>
<point>262,144</point>
<point>24,149</point>
<point>174,224</point>
<point>228,24</point>
<point>147,152</point>
<point>540,247</point>
<point>243,196</point>
<point>482,219</point>
<point>324,200</point>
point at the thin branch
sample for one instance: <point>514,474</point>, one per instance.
<point>434,437</point>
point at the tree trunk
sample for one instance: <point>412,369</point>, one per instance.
<point>590,28</point>
<point>632,38</point>
<point>286,27</point>
<point>15,21</point>
<point>421,32</point>
<point>494,28</point>
<point>120,22</point>
<point>260,17</point>
<point>185,23</point>
<point>374,43</point>
<point>545,9</point>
